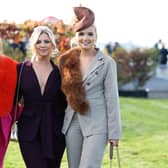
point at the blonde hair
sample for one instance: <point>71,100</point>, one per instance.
<point>35,35</point>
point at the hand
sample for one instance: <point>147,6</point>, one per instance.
<point>114,142</point>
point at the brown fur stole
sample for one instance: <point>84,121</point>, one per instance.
<point>8,78</point>
<point>72,84</point>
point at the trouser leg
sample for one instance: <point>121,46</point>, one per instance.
<point>59,146</point>
<point>74,141</point>
<point>93,151</point>
<point>32,154</point>
<point>3,147</point>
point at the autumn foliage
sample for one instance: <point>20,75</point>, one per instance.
<point>136,65</point>
<point>17,32</point>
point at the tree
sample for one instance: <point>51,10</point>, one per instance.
<point>136,65</point>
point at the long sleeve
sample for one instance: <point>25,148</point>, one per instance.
<point>8,76</point>
<point>112,101</point>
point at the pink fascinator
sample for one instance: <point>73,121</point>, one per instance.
<point>85,18</point>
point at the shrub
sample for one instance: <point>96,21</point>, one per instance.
<point>136,65</point>
<point>121,57</point>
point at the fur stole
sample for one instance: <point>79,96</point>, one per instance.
<point>72,83</point>
<point>8,79</point>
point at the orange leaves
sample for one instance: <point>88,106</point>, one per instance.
<point>18,32</point>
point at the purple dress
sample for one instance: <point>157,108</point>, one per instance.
<point>42,117</point>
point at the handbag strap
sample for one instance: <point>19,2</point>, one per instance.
<point>118,157</point>
<point>17,91</point>
<point>111,155</point>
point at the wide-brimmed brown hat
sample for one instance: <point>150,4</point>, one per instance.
<point>85,18</point>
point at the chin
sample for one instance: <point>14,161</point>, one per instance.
<point>44,55</point>
<point>86,48</point>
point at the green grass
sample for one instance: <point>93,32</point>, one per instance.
<point>144,141</point>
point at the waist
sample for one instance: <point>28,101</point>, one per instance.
<point>38,102</point>
<point>94,95</point>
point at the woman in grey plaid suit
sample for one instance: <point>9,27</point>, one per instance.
<point>89,81</point>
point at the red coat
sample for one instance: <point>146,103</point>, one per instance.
<point>8,77</point>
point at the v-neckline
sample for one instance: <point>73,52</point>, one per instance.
<point>45,86</point>
<point>90,66</point>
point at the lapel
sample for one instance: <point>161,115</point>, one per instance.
<point>96,63</point>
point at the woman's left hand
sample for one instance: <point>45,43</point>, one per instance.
<point>114,142</point>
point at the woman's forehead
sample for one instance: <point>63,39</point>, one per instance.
<point>44,35</point>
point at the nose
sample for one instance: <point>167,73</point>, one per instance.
<point>42,44</point>
<point>85,37</point>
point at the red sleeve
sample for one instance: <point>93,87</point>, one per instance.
<point>8,79</point>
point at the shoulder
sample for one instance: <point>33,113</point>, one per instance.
<point>7,65</point>
<point>107,59</point>
<point>69,57</point>
<point>74,50</point>
<point>69,61</point>
<point>25,64</point>
<point>6,60</point>
<point>54,65</point>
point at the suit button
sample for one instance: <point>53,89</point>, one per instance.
<point>88,83</point>
<point>96,73</point>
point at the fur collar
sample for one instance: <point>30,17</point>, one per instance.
<point>72,83</point>
<point>8,77</point>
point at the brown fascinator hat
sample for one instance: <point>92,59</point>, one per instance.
<point>85,18</point>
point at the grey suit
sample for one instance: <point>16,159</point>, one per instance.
<point>103,116</point>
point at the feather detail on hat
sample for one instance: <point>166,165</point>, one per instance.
<point>85,18</point>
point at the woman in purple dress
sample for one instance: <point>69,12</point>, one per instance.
<point>39,127</point>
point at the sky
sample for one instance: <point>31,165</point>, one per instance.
<point>141,22</point>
